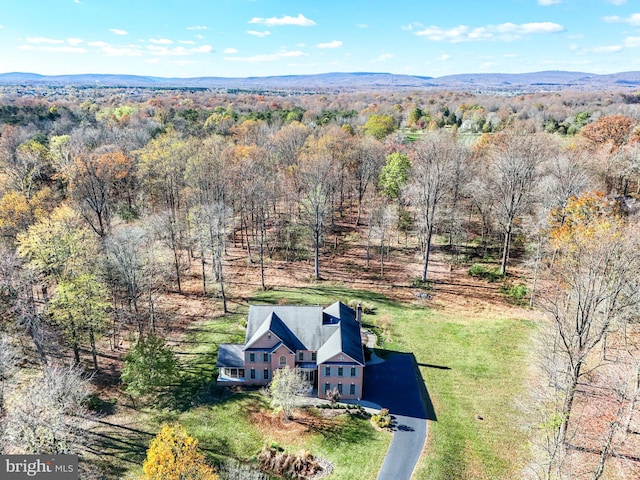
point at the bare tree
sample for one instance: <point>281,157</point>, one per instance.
<point>317,180</point>
<point>516,158</point>
<point>286,389</point>
<point>18,302</point>
<point>595,277</point>
<point>47,416</point>
<point>432,167</point>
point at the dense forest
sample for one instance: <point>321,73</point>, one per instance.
<point>112,198</point>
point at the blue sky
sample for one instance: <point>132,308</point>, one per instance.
<point>239,38</point>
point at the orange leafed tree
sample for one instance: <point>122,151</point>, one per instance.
<point>173,455</point>
<point>611,130</point>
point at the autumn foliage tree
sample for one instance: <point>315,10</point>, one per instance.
<point>174,455</point>
<point>593,273</point>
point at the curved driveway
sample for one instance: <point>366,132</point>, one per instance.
<point>394,384</point>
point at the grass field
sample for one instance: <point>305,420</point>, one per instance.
<point>472,367</point>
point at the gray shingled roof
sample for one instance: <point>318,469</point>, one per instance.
<point>230,355</point>
<point>329,332</point>
<point>347,340</point>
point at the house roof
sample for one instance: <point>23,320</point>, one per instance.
<point>230,355</point>
<point>275,325</point>
<point>328,331</point>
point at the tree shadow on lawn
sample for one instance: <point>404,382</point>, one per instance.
<point>345,430</point>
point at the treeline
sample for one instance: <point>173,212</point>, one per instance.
<point>106,205</point>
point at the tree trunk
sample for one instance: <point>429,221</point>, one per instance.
<point>94,352</point>
<point>74,345</point>
<point>317,252</point>
<point>427,249</point>
<point>505,250</point>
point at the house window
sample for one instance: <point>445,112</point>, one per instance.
<point>327,387</point>
<point>327,371</point>
<point>252,357</point>
<point>314,356</point>
<point>283,360</point>
<point>300,356</point>
<point>266,374</point>
<point>340,388</point>
<point>340,371</point>
<point>352,389</point>
<point>265,357</point>
<point>234,372</point>
<point>253,374</point>
<point>354,372</point>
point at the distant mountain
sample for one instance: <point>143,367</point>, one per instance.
<point>536,81</point>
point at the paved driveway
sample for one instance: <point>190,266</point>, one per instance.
<point>393,384</point>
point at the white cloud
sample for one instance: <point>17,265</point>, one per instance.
<point>202,49</point>
<point>384,57</point>
<point>230,51</point>
<point>74,41</point>
<point>632,42</point>
<point>616,2</point>
<point>300,21</point>
<point>117,31</point>
<point>187,42</point>
<point>161,41</point>
<point>43,40</point>
<point>255,33</point>
<point>332,44</point>
<point>51,48</point>
<point>607,49</point>
<point>111,51</point>
<point>197,27</point>
<point>633,20</point>
<point>178,51</point>
<point>152,60</point>
<point>362,25</point>
<point>546,3</point>
<point>504,31</point>
<point>445,56</point>
<point>268,57</point>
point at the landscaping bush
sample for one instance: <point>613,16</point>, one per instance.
<point>333,396</point>
<point>382,419</point>
<point>518,293</point>
<point>367,307</point>
<point>480,271</point>
<point>417,282</point>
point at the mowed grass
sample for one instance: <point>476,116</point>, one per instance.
<point>224,422</point>
<point>472,367</point>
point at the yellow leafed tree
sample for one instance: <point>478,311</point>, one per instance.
<point>173,455</point>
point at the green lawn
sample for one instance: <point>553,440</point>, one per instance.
<point>471,366</point>
<point>482,371</point>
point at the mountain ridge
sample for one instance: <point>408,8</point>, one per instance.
<point>550,79</point>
